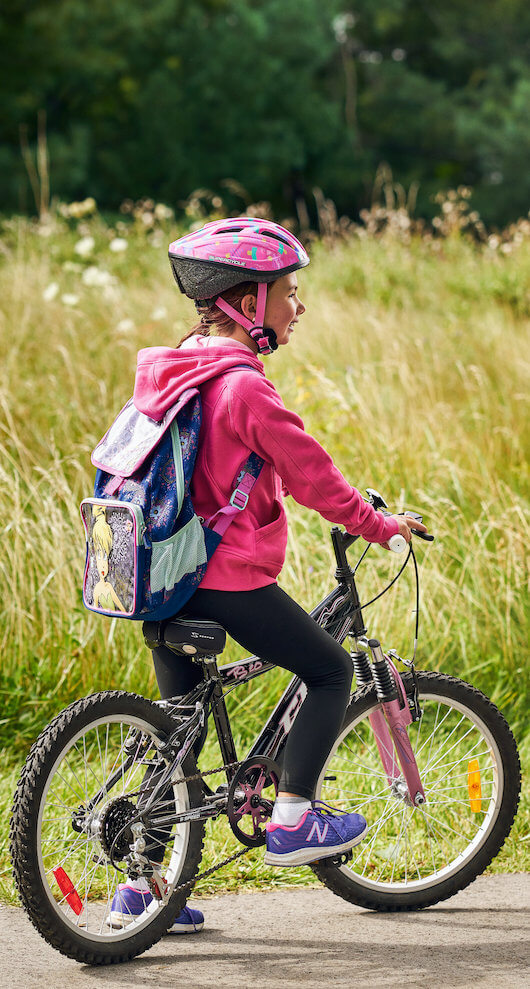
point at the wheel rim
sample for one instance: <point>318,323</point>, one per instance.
<point>407,848</point>
<point>89,758</point>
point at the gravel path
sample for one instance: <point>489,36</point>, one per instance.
<point>307,938</point>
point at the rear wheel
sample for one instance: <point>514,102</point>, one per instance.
<point>413,857</point>
<point>79,797</point>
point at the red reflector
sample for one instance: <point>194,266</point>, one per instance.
<point>68,890</point>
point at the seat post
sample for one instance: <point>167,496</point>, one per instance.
<point>219,712</point>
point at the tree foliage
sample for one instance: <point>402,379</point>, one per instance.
<point>163,98</point>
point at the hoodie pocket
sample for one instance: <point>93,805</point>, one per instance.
<point>271,539</point>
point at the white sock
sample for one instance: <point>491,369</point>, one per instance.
<point>140,885</point>
<point>289,810</point>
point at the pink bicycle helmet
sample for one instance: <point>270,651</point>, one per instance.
<point>224,253</point>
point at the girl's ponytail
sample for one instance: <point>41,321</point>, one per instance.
<point>199,330</point>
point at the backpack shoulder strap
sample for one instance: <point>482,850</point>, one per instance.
<point>244,482</point>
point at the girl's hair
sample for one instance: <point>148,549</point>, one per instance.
<point>101,532</point>
<point>214,318</point>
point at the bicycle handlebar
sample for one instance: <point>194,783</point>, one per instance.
<point>397,543</point>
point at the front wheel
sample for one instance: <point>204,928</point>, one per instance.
<point>77,809</point>
<point>413,857</point>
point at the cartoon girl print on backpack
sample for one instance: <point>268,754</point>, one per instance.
<point>101,545</point>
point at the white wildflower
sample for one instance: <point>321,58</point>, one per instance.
<point>111,292</point>
<point>72,266</point>
<point>163,212</point>
<point>50,292</point>
<point>118,244</point>
<point>94,276</point>
<point>125,326</point>
<point>69,299</point>
<point>78,209</point>
<point>85,246</point>
<point>159,313</point>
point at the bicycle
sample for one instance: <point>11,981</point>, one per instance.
<point>111,789</point>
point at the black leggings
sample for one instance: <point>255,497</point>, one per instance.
<point>269,624</point>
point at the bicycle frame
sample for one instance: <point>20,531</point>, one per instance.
<point>340,614</point>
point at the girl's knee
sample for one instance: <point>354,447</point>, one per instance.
<point>336,675</point>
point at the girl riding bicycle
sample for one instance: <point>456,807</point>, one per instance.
<point>242,275</point>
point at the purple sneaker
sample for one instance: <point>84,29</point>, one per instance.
<point>322,831</point>
<point>188,921</point>
<point>129,903</point>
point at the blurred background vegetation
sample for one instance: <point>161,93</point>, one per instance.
<point>275,96</point>
<point>395,138</point>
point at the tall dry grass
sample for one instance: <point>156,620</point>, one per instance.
<point>411,366</point>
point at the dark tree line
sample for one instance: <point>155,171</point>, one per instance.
<point>161,98</point>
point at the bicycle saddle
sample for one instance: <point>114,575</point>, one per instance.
<point>186,636</point>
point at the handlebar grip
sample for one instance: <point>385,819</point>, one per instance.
<point>397,543</point>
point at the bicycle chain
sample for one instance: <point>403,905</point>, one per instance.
<point>232,858</point>
<point>213,868</point>
<point>209,772</point>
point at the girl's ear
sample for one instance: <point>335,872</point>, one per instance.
<point>248,306</point>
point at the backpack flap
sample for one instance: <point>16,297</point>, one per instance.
<point>132,437</point>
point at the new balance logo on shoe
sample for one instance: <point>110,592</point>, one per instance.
<point>321,835</point>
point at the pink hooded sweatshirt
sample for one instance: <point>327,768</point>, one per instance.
<point>242,412</point>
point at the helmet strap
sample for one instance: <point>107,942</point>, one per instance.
<point>264,338</point>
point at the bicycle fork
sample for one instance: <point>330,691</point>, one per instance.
<point>389,724</point>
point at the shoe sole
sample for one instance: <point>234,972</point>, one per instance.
<point>305,856</point>
<point>185,928</point>
<point>118,920</point>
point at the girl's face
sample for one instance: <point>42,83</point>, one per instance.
<point>283,308</point>
<point>102,563</point>
<point>282,311</point>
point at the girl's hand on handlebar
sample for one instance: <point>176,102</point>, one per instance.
<point>406,523</point>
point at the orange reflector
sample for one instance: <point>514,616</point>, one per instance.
<point>473,786</point>
<point>68,890</point>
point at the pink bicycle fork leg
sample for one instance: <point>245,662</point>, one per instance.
<point>389,725</point>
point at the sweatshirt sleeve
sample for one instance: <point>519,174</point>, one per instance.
<point>261,421</point>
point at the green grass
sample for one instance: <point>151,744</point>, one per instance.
<point>410,366</point>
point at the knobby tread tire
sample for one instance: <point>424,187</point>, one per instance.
<point>477,702</point>
<point>24,838</point>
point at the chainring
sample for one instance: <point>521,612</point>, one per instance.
<point>247,810</point>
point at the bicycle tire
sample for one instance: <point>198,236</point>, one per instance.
<point>73,756</point>
<point>441,847</point>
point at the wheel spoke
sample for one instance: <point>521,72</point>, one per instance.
<point>77,877</point>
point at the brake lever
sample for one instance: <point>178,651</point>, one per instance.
<point>423,535</point>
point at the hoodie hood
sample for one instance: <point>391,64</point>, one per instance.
<point>163,373</point>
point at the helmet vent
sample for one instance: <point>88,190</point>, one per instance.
<point>268,233</point>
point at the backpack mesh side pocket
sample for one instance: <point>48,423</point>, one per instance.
<point>181,554</point>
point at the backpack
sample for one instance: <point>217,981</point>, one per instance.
<point>146,549</point>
